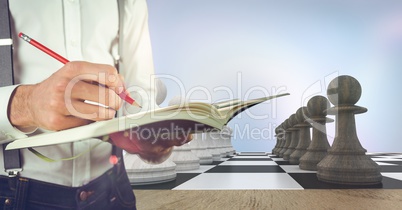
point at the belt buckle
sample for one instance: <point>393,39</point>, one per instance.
<point>13,172</point>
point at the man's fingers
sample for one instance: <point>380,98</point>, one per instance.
<point>57,103</point>
<point>96,93</point>
<point>103,74</point>
<point>88,111</point>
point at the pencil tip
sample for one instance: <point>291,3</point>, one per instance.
<point>136,104</point>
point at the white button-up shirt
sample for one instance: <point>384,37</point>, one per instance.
<point>77,30</point>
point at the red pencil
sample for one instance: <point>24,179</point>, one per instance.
<point>63,60</point>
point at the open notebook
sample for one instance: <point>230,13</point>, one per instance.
<point>190,117</point>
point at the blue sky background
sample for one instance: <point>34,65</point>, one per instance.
<point>260,47</point>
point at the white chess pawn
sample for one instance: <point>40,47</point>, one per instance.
<point>228,140</point>
<point>184,158</point>
<point>182,155</point>
<point>225,136</point>
<point>219,142</point>
<point>212,147</point>
<point>141,172</point>
<point>199,147</point>
<point>176,100</point>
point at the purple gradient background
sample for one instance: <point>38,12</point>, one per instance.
<point>291,45</point>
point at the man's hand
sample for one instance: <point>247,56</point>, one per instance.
<point>57,103</point>
<point>152,150</point>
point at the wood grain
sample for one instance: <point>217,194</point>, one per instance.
<point>269,199</point>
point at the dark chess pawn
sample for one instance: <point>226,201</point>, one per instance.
<point>278,136</point>
<point>304,135</point>
<point>295,137</point>
<point>346,161</point>
<point>277,140</point>
<point>319,143</point>
<point>282,139</point>
<point>288,138</point>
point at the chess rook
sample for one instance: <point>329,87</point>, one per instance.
<point>346,161</point>
<point>319,145</point>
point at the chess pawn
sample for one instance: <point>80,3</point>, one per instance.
<point>229,145</point>
<point>212,147</point>
<point>140,172</point>
<point>216,137</point>
<point>319,145</point>
<point>182,155</point>
<point>199,147</point>
<point>227,140</point>
<point>277,140</point>
<point>346,161</point>
<point>280,139</point>
<point>184,158</point>
<point>221,141</point>
<point>295,137</point>
<point>288,138</point>
<point>304,135</point>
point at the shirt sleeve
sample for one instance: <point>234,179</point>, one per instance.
<point>138,68</point>
<point>7,131</point>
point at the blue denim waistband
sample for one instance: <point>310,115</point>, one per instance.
<point>59,196</point>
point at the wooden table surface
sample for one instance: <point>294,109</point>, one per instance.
<point>269,199</point>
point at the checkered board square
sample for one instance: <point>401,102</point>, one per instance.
<point>263,171</point>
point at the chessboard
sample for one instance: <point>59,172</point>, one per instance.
<point>264,171</point>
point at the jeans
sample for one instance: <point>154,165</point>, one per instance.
<point>112,190</point>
